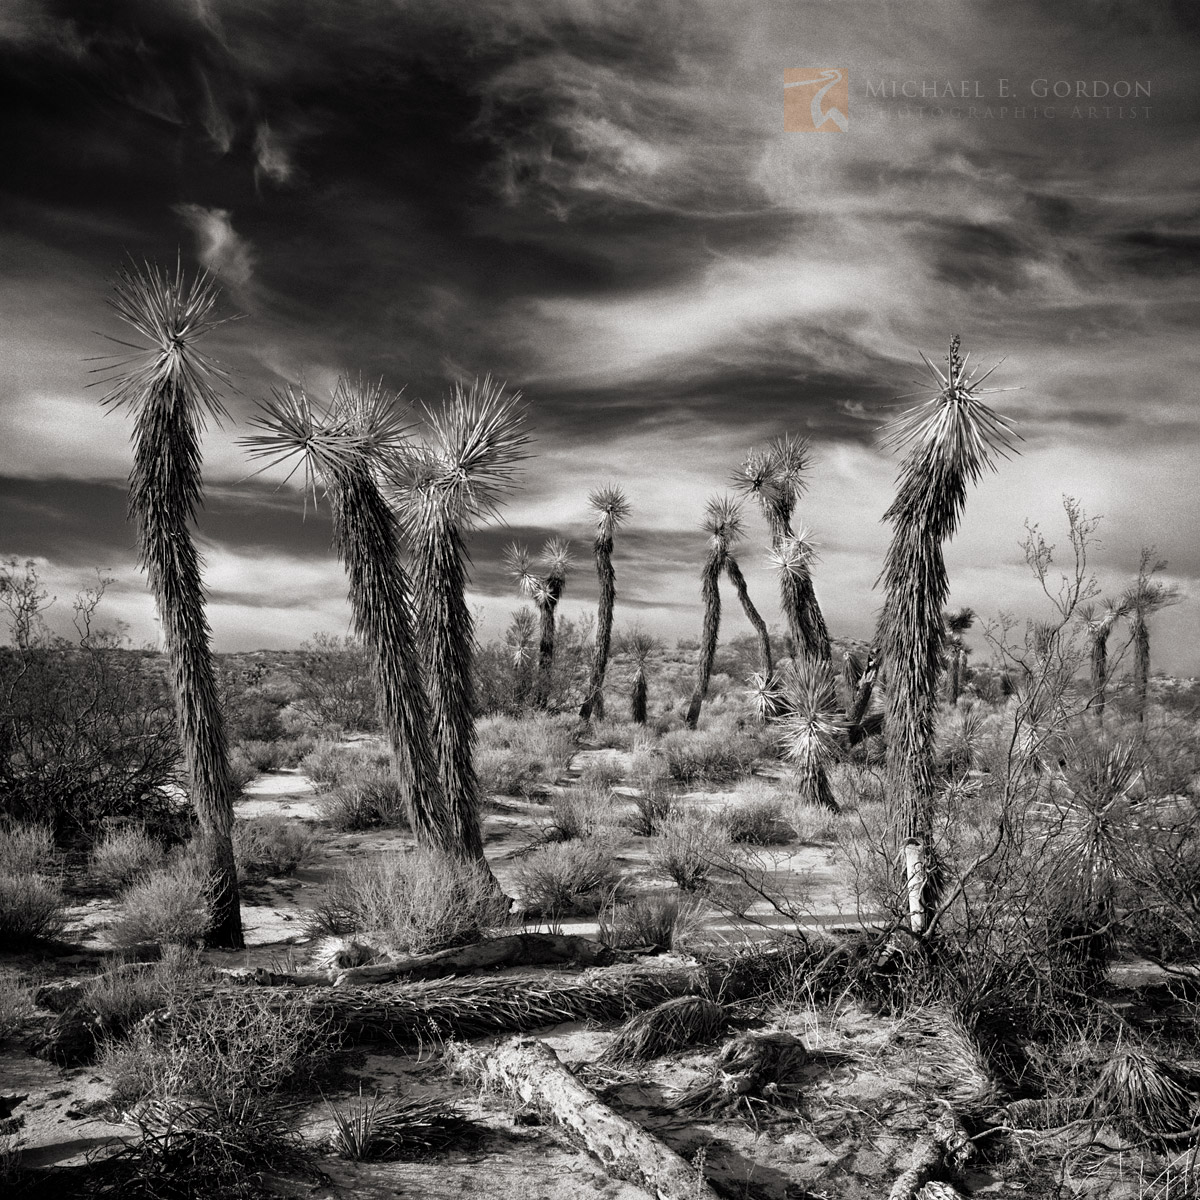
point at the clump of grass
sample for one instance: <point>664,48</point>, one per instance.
<point>31,909</point>
<point>331,764</point>
<point>390,1128</point>
<point>579,813</point>
<point>709,755</point>
<point>27,850</point>
<point>1142,1096</point>
<point>758,822</point>
<point>514,753</point>
<point>569,878</point>
<point>124,855</point>
<point>368,799</point>
<point>129,991</point>
<point>652,806</point>
<point>167,907</point>
<point>662,921</point>
<point>688,846</point>
<point>600,774</point>
<point>670,1026</point>
<point>417,902</point>
<point>814,824</point>
<point>271,845</point>
<point>16,1004</point>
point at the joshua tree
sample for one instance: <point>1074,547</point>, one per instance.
<point>1145,597</point>
<point>611,509</point>
<point>639,646</point>
<point>347,450</point>
<point>545,591</point>
<point>949,440</point>
<point>459,478</point>
<point>810,727</point>
<point>957,623</point>
<point>520,640</point>
<point>723,524</point>
<point>1099,626</point>
<point>775,477</point>
<point>170,386</point>
<point>765,664</point>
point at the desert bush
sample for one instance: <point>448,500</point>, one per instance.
<point>652,806</point>
<point>711,755</point>
<point>758,822</point>
<point>16,1004</point>
<point>687,846</point>
<point>27,850</point>
<point>663,920</point>
<point>419,901</point>
<point>334,684</point>
<point>124,855</point>
<point>31,908</point>
<point>168,907</point>
<point>541,744</point>
<point>733,897</point>
<point>127,991</point>
<point>568,878</point>
<point>579,813</point>
<point>333,764</point>
<point>264,756</point>
<point>367,800</point>
<point>600,773</point>
<point>271,845</point>
<point>617,734</point>
<point>815,825</point>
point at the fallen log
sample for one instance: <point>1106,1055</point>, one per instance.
<point>529,1069</point>
<point>943,1153</point>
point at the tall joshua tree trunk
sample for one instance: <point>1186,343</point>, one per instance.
<point>723,523</point>
<point>545,591</point>
<point>765,663</point>
<point>345,450</point>
<point>458,479</point>
<point>957,623</point>
<point>1099,629</point>
<point>611,509</point>
<point>1141,601</point>
<point>950,441</point>
<point>170,392</point>
<point>776,478</point>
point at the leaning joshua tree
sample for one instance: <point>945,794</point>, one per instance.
<point>810,727</point>
<point>1099,625</point>
<point>611,509</point>
<point>347,450</point>
<point>457,479</point>
<point>723,524</point>
<point>545,591</point>
<point>957,622</point>
<point>949,440</point>
<point>775,477</point>
<point>170,386</point>
<point>1145,597</point>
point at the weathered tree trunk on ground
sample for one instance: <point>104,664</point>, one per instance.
<point>942,1153</point>
<point>529,1069</point>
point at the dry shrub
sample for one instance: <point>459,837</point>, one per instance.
<point>127,992</point>
<point>27,850</point>
<point>514,752</point>
<point>16,1004</point>
<point>334,764</point>
<point>733,897</point>
<point>168,907</point>
<point>663,921</point>
<point>600,774</point>
<point>271,845</point>
<point>1142,1096</point>
<point>814,824</point>
<point>712,755</point>
<point>688,845</point>
<point>417,901</point>
<point>124,855</point>
<point>758,822</point>
<point>754,1072</point>
<point>31,908</point>
<point>366,799</point>
<point>569,878</point>
<point>579,813</point>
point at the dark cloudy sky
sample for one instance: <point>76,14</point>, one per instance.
<point>598,202</point>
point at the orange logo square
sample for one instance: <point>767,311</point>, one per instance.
<point>816,99</point>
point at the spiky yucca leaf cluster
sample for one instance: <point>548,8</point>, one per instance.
<point>611,509</point>
<point>810,727</point>
<point>775,477</point>
<point>347,449</point>
<point>457,478</point>
<point>170,387</point>
<point>949,441</point>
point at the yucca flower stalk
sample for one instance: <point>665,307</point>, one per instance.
<point>957,623</point>
<point>545,590</point>
<point>723,524</point>
<point>775,478</point>
<point>1142,600</point>
<point>1099,625</point>
<point>611,508</point>
<point>456,480</point>
<point>949,441</point>
<point>347,450</point>
<point>170,387</point>
<point>809,728</point>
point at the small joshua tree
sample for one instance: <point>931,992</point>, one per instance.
<point>1141,601</point>
<point>452,483</point>
<point>957,623</point>
<point>521,639</point>
<point>639,646</point>
<point>1100,624</point>
<point>348,450</point>
<point>170,386</point>
<point>949,440</point>
<point>809,728</point>
<point>611,509</point>
<point>775,477</point>
<point>545,591</point>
